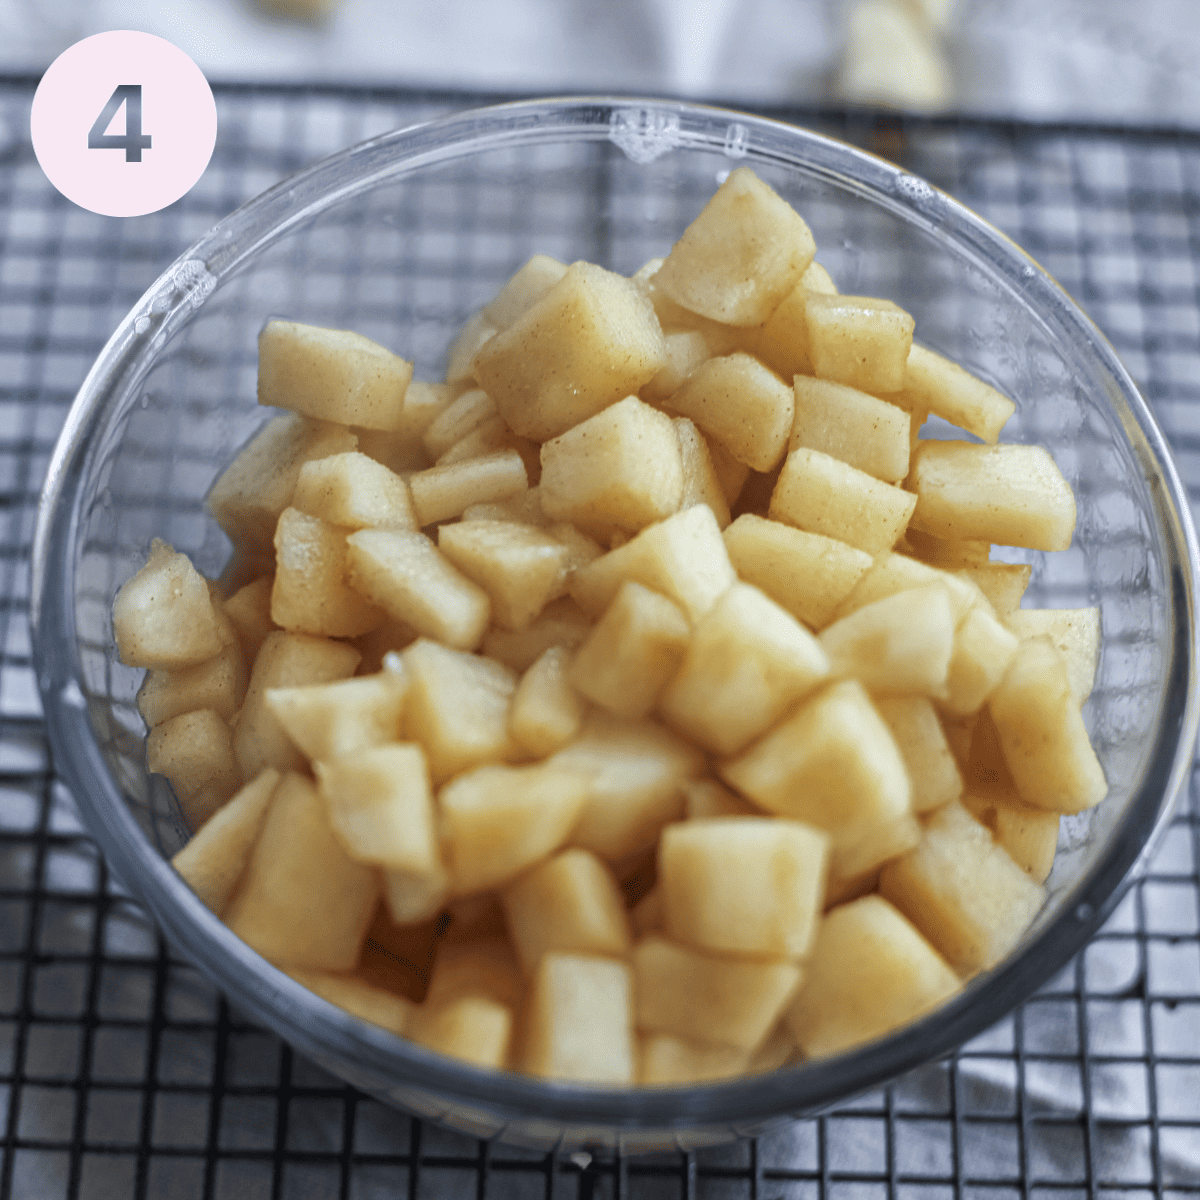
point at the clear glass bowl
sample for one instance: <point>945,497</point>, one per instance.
<point>402,238</point>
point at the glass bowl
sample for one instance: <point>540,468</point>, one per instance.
<point>401,238</point>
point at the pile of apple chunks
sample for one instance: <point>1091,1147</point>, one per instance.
<point>614,710</point>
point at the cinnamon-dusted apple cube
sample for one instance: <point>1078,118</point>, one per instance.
<point>833,764</point>
<point>218,683</point>
<point>983,648</point>
<point>477,1029</point>
<point>807,573</point>
<point>857,428</point>
<point>741,404</point>
<point>821,494</point>
<point>498,821</point>
<point>569,904</point>
<point>249,611</point>
<point>285,660</point>
<point>195,752</point>
<point>257,486</point>
<point>901,644</point>
<point>443,492</point>
<point>870,972</point>
<point>963,892</point>
<point>355,492</point>
<point>634,770</point>
<point>1014,495</point>
<point>783,340</point>
<point>580,1021</point>
<point>748,662</point>
<point>457,707</point>
<point>305,902</point>
<point>546,711</point>
<point>381,810</point>
<point>860,341</point>
<point>164,617</point>
<point>631,652</point>
<point>750,887</point>
<point>1029,834</point>
<point>741,256</point>
<point>461,416</point>
<point>1002,583</point>
<point>331,374</point>
<point>682,558</point>
<point>583,344</point>
<point>310,594</point>
<point>215,859</point>
<point>561,623</point>
<point>686,349</point>
<point>520,567</point>
<point>359,998</point>
<point>406,576</point>
<point>1042,734</point>
<point>706,997</point>
<point>532,281</point>
<point>922,743</point>
<point>701,483</point>
<point>668,1061</point>
<point>475,333</point>
<point>944,388</point>
<point>620,469</point>
<point>1075,633</point>
<point>329,720</point>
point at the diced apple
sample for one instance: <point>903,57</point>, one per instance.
<point>861,430</point>
<point>354,491</point>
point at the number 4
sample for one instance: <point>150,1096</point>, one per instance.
<point>132,141</point>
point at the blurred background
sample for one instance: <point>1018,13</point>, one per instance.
<point>1042,59</point>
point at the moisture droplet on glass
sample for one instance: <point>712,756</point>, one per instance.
<point>141,325</point>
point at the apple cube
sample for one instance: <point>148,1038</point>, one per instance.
<point>861,430</point>
<point>195,752</point>
<point>944,388</point>
<point>860,341</point>
<point>546,711</point>
<point>354,491</point>
<point>444,492</point>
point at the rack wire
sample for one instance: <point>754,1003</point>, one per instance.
<point>123,1074</point>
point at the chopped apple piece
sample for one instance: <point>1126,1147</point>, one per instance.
<point>580,1021</point>
<point>309,594</point>
<point>477,1029</point>
<point>475,333</point>
<point>741,404</point>
<point>218,683</point>
<point>1002,583</point>
<point>499,821</point>
<point>568,904</point>
<point>861,430</point>
<point>463,415</point>
<point>1029,834</point>
<point>631,652</point>
<point>586,342</point>
<point>215,859</point>
<point>406,576</point>
<point>163,616</point>
<point>749,661</point>
<point>942,387</point>
<point>741,256</point>
<point>331,374</point>
<point>249,611</point>
<point>546,711</point>
<point>686,349</point>
<point>195,752</point>
<point>1014,495</point>
<point>983,648</point>
<point>701,483</point>
<point>444,492</point>
<point>620,469</point>
<point>682,558</point>
<point>962,891</point>
<point>807,573</point>
<point>708,998</point>
<point>258,485</point>
<point>922,743</point>
<point>821,494</point>
<point>750,887</point>
<point>305,902</point>
<point>1075,633</point>
<point>1042,734</point>
<point>870,972</point>
<point>355,492</point>
<point>860,341</point>
<point>523,289</point>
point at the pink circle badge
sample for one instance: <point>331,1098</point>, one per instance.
<point>123,123</point>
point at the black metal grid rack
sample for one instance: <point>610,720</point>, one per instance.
<point>122,1074</point>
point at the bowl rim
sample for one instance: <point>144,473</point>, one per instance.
<point>649,126</point>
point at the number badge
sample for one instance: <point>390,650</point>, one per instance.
<point>123,123</point>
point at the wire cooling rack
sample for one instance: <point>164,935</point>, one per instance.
<point>122,1073</point>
